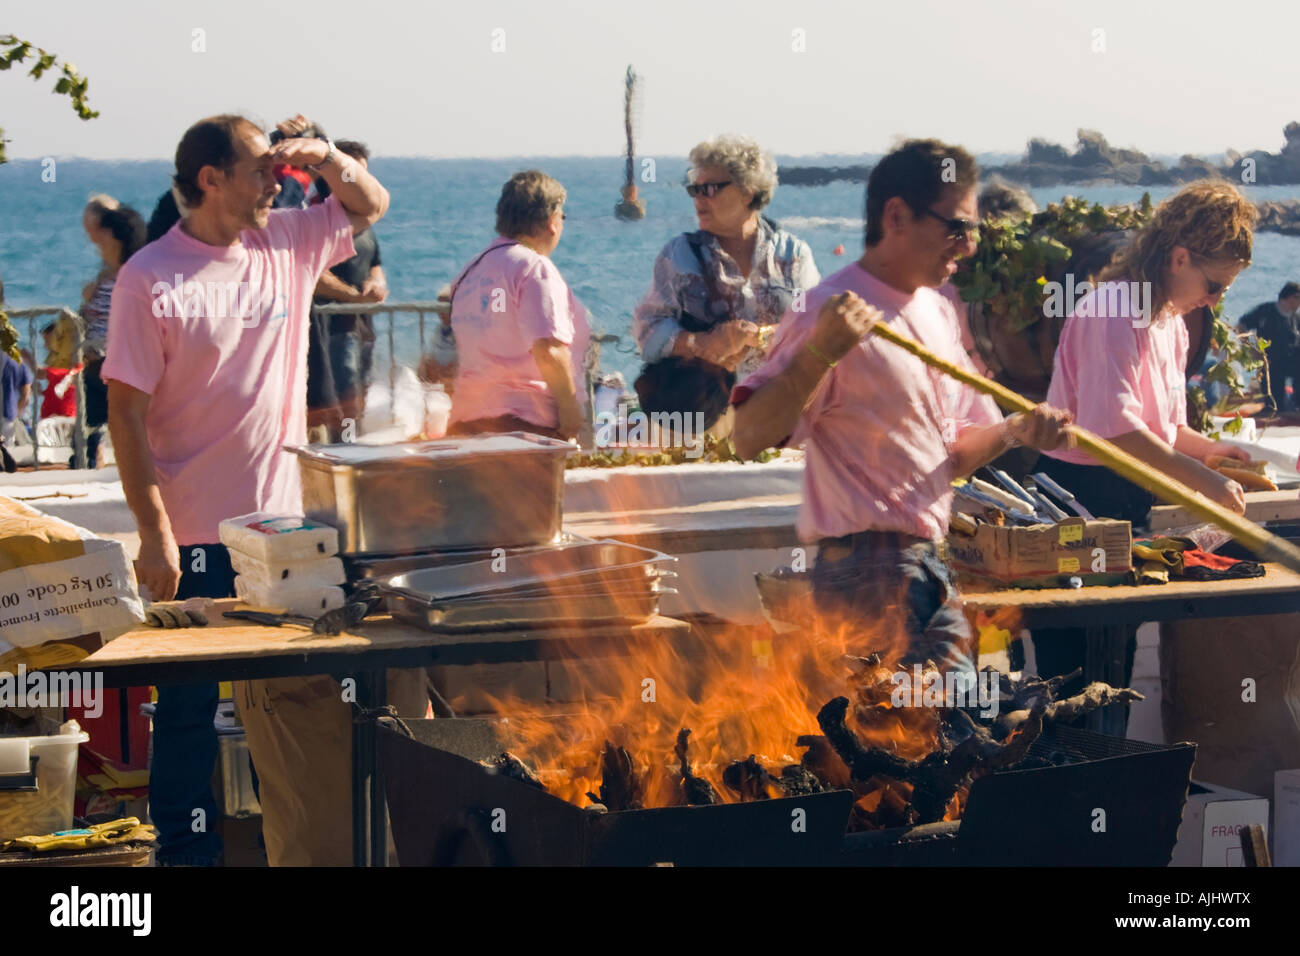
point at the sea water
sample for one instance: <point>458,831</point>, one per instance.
<point>443,212</point>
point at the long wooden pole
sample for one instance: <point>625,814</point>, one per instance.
<point>1267,546</point>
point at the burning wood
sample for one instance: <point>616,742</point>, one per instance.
<point>621,787</point>
<point>1095,696</point>
<point>964,748</point>
<point>508,765</point>
<point>909,740</point>
<point>798,781</point>
<point>697,791</point>
<point>749,779</point>
<point>1020,694</point>
<point>821,760</point>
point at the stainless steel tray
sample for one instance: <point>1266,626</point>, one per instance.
<point>461,493</point>
<point>497,615</point>
<point>579,586</point>
<point>375,566</point>
<point>597,564</point>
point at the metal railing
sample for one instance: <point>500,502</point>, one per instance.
<point>38,386</point>
<point>389,311</point>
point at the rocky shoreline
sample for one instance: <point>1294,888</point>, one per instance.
<point>1094,160</point>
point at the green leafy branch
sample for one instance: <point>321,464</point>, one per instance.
<point>1242,352</point>
<point>70,83</point>
<point>1016,255</point>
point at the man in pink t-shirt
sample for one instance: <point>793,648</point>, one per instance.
<point>884,434</point>
<point>206,373</point>
<point>521,334</point>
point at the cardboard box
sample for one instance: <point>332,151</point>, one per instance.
<point>1016,552</point>
<point>1213,818</point>
<point>63,591</point>
<point>1286,818</point>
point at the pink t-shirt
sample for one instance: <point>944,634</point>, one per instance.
<point>218,337</point>
<point>879,430</point>
<point>1117,377</point>
<point>508,300</point>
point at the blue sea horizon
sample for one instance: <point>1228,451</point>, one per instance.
<point>443,211</point>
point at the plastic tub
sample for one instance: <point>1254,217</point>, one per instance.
<point>48,808</point>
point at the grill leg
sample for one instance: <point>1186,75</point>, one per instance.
<point>369,825</point>
<point>1105,662</point>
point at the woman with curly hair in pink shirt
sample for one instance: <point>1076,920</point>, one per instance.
<point>1121,363</point>
<point>1121,366</point>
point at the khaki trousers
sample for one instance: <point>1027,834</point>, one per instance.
<point>300,739</point>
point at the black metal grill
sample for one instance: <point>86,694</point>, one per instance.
<point>447,809</point>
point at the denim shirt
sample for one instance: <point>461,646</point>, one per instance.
<point>782,267</point>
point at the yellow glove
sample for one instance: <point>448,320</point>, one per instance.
<point>124,830</point>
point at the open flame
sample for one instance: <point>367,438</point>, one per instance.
<point>740,692</point>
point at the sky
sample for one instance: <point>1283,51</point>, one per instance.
<point>498,78</point>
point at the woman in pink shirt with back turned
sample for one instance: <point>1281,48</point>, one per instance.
<point>1121,363</point>
<point>520,333</point>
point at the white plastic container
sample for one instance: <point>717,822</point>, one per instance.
<point>319,573</point>
<point>310,601</point>
<point>273,538</point>
<point>48,808</point>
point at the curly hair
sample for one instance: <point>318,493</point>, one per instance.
<point>748,164</point>
<point>1211,219</point>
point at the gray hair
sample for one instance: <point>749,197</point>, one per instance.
<point>748,164</point>
<point>1000,199</point>
<point>527,203</point>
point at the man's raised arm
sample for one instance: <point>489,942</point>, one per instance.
<point>357,190</point>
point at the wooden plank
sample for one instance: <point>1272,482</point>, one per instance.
<point>226,639</point>
<point>1261,506</point>
<point>1276,580</point>
<point>1278,592</point>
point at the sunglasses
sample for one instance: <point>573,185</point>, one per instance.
<point>1211,287</point>
<point>958,229</point>
<point>708,190</point>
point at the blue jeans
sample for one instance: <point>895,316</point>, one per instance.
<point>184,740</point>
<point>887,583</point>
<point>351,359</point>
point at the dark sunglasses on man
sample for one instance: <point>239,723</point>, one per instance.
<point>958,229</point>
<point>708,190</point>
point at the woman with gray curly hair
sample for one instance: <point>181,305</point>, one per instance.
<point>716,290</point>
